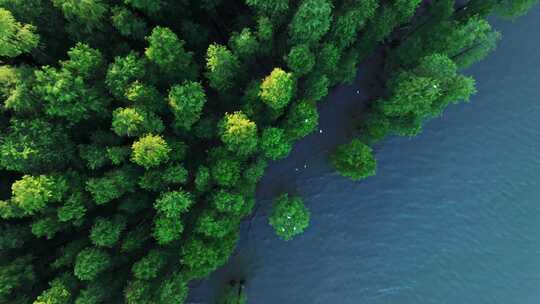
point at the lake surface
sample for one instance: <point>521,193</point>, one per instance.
<point>453,215</point>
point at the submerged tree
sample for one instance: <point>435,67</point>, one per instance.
<point>289,216</point>
<point>354,160</point>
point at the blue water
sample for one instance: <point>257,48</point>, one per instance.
<point>453,215</point>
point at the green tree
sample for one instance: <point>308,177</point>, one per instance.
<point>15,38</point>
<point>150,151</point>
<point>135,122</point>
<point>238,133</point>
<point>244,44</point>
<point>311,21</point>
<point>122,72</point>
<point>274,143</point>
<point>173,204</point>
<point>222,67</point>
<point>168,53</point>
<point>34,193</point>
<point>289,216</point>
<point>127,23</point>
<point>269,7</point>
<point>300,59</point>
<point>277,89</point>
<point>90,263</point>
<point>354,160</point>
<point>186,101</point>
<point>301,120</point>
<point>148,267</point>
<point>106,232</point>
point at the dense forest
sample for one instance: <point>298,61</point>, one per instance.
<point>133,133</point>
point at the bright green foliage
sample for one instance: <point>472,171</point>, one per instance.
<point>58,293</point>
<point>167,229</point>
<point>226,172</point>
<point>277,89</point>
<point>274,143</point>
<point>149,266</point>
<point>289,216</point>
<point>354,160</point>
<point>15,38</point>
<point>150,151</point>
<point>127,23</point>
<point>106,232</point>
<point>168,53</point>
<point>222,67</point>
<point>135,122</point>
<point>173,204</point>
<point>66,91</point>
<point>186,101</point>
<point>16,89</point>
<point>244,44</point>
<point>302,119</point>
<point>311,22</point>
<point>122,72</point>
<point>300,59</point>
<point>33,193</point>
<point>90,263</point>
<point>238,133</point>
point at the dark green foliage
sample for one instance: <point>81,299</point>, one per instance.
<point>125,172</point>
<point>186,102</point>
<point>90,263</point>
<point>244,44</point>
<point>301,120</point>
<point>127,23</point>
<point>106,232</point>
<point>354,160</point>
<point>311,21</point>
<point>300,59</point>
<point>289,216</point>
